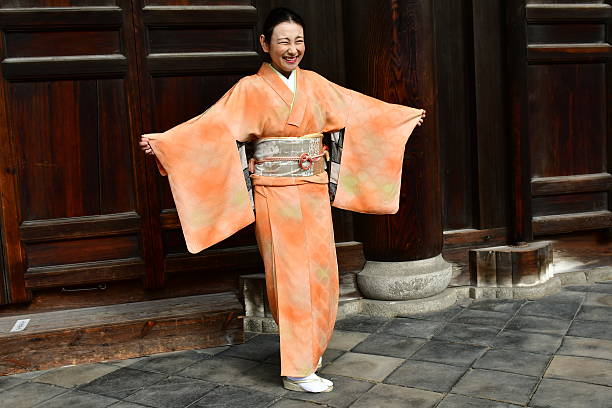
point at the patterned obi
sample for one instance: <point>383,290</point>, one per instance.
<point>289,156</point>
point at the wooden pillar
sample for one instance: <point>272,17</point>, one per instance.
<point>521,231</point>
<point>390,56</point>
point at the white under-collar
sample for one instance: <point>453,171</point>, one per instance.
<point>290,82</point>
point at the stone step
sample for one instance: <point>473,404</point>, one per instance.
<point>121,331</point>
<point>258,316</point>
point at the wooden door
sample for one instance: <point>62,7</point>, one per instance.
<point>81,80</point>
<point>189,55</point>
<point>561,104</point>
<point>72,182</point>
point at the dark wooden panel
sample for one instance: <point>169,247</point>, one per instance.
<point>247,259</point>
<point>13,289</point>
<point>66,153</point>
<point>37,68</point>
<point>567,120</point>
<point>213,62</point>
<point>556,224</point>
<point>243,258</point>
<point>570,203</point>
<point>198,16</point>
<point>201,40</point>
<point>519,114</point>
<point>82,250</point>
<point>199,2</point>
<point>175,243</point>
<point>84,273</point>
<point>455,114</point>
<point>565,12</point>
<point>565,3</point>
<point>58,150</point>
<point>177,285</point>
<point>469,237</point>
<point>52,43</point>
<point>565,33</point>
<point>571,184</point>
<point>60,18</point>
<point>118,191</point>
<point>56,3</point>
<point>79,227</point>
<point>490,116</point>
<point>565,53</point>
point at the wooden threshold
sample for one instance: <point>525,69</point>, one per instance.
<point>121,331</point>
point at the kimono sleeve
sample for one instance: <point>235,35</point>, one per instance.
<point>372,148</point>
<point>201,159</point>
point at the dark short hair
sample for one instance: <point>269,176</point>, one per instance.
<point>277,16</point>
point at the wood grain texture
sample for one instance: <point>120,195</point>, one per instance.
<point>570,203</point>
<point>520,193</point>
<point>56,3</point>
<point>579,183</point>
<point>401,72</point>
<point>84,273</point>
<point>455,114</point>
<point>490,116</point>
<point>23,16</point>
<point>53,43</point>
<point>120,331</point>
<point>557,224</point>
<point>563,12</point>
<point>13,286</point>
<point>567,122</point>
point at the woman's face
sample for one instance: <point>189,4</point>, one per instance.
<point>286,46</point>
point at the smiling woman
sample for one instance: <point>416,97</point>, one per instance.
<point>284,111</point>
<point>283,40</point>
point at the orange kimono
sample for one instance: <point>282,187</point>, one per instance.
<point>292,214</point>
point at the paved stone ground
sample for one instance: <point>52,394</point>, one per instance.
<point>553,352</point>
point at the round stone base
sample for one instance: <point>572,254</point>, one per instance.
<point>404,280</point>
<point>394,308</point>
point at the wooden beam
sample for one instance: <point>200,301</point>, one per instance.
<point>556,224</point>
<point>520,197</point>
<point>122,331</point>
<point>543,186</point>
<point>79,227</point>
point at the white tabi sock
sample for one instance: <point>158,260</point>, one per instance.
<point>315,386</point>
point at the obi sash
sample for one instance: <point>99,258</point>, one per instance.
<point>289,156</point>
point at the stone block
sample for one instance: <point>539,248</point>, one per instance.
<point>363,366</point>
<point>392,396</point>
<point>510,266</point>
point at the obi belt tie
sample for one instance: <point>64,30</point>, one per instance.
<point>289,156</point>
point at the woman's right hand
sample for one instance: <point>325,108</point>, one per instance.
<point>145,146</point>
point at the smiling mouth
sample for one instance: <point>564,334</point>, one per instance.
<point>290,60</point>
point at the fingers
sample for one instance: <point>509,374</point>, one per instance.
<point>145,145</point>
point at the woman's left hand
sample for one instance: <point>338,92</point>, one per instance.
<point>423,115</point>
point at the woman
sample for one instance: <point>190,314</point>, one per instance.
<point>284,110</point>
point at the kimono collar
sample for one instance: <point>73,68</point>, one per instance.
<point>296,101</point>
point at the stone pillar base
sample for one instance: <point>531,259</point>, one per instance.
<point>394,308</point>
<point>404,280</point>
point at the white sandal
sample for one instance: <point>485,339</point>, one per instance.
<point>294,385</point>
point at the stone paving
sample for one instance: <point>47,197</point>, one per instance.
<point>552,352</point>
